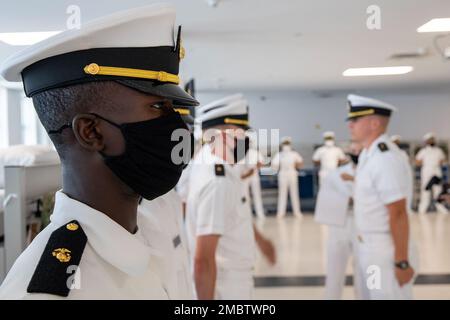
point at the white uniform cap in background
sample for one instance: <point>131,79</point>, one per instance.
<point>216,104</point>
<point>359,106</point>
<point>429,135</point>
<point>328,134</point>
<point>286,140</point>
<point>224,111</point>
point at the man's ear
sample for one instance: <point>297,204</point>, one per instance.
<point>87,132</point>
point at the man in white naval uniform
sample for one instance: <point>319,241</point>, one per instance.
<point>386,256</point>
<point>220,232</point>
<point>334,208</point>
<point>254,161</point>
<point>110,117</point>
<point>329,156</point>
<point>430,158</point>
<point>287,162</point>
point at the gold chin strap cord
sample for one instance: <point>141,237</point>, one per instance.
<point>183,112</point>
<point>162,76</point>
<point>361,113</point>
<point>236,121</point>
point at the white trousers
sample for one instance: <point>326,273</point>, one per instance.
<point>288,182</point>
<point>425,195</point>
<point>234,285</point>
<point>255,187</point>
<point>341,245</point>
<point>376,264</point>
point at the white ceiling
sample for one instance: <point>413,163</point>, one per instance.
<point>275,45</point>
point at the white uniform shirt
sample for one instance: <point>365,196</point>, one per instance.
<point>431,158</point>
<point>165,214</point>
<point>115,264</point>
<point>214,208</point>
<point>382,177</point>
<point>285,161</point>
<point>182,187</point>
<point>410,176</point>
<point>329,157</point>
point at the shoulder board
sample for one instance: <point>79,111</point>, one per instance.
<point>219,170</point>
<point>63,251</point>
<point>383,147</point>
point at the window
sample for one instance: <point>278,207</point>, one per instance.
<point>32,130</point>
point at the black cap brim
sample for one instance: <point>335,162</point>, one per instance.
<point>170,91</point>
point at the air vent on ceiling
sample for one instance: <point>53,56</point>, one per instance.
<point>419,53</point>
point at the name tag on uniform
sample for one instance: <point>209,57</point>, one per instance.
<point>176,241</point>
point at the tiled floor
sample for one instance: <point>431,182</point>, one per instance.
<point>300,252</point>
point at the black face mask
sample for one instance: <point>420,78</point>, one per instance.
<point>241,147</point>
<point>354,158</point>
<point>146,166</point>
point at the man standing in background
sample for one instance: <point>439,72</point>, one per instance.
<point>255,159</point>
<point>430,158</point>
<point>385,253</point>
<point>328,156</point>
<point>287,162</point>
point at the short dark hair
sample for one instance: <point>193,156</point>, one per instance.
<point>57,107</point>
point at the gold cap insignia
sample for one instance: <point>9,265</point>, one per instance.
<point>92,68</point>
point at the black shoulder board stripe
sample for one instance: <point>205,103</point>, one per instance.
<point>220,170</point>
<point>63,250</point>
<point>383,147</point>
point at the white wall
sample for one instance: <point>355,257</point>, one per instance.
<point>304,116</point>
<point>3,117</point>
<point>10,117</point>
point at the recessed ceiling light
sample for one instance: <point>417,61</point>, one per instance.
<point>25,38</point>
<point>379,71</point>
<point>436,25</point>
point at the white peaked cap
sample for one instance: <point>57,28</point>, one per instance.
<point>286,140</point>
<point>229,110</point>
<point>429,135</point>
<point>328,134</point>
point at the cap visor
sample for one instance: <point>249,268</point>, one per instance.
<point>166,90</point>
